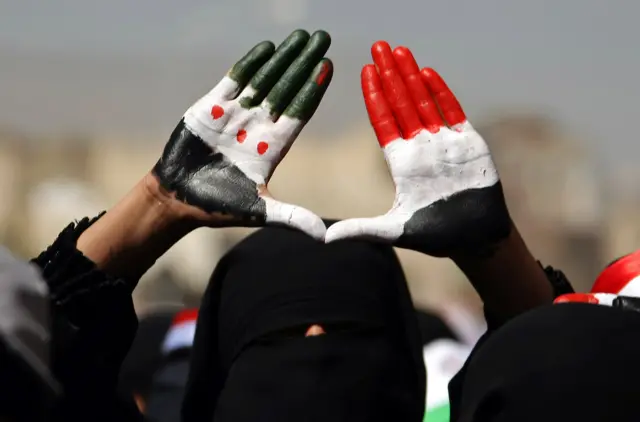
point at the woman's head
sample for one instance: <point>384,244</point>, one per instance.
<point>298,330</point>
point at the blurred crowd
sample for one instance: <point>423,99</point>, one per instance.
<point>540,160</point>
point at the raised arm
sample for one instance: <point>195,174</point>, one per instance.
<point>218,161</point>
<point>449,200</point>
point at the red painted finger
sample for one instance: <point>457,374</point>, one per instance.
<point>396,92</point>
<point>380,114</point>
<point>426,106</point>
<point>448,103</point>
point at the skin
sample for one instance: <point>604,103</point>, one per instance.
<point>314,330</point>
<point>509,281</point>
<point>140,403</point>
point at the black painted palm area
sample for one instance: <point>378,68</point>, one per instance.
<point>207,180</point>
<point>467,222</point>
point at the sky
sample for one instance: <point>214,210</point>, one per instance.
<point>90,66</point>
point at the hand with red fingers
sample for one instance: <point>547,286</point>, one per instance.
<point>449,197</point>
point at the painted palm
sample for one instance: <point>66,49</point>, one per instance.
<point>448,193</point>
<point>225,149</point>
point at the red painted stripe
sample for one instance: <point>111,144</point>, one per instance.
<point>186,315</point>
<point>616,276</point>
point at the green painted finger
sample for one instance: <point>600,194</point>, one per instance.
<point>264,79</point>
<point>298,72</point>
<point>306,102</point>
<point>246,67</point>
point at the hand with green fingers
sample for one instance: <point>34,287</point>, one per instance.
<point>221,155</point>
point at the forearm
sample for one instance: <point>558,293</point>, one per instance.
<point>510,281</point>
<point>132,235</point>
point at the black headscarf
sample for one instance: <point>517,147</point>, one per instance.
<point>567,362</point>
<point>252,362</point>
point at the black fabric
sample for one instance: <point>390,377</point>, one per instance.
<point>167,389</point>
<point>145,355</point>
<point>627,303</point>
<point>93,326</point>
<point>567,362</point>
<point>251,361</point>
<point>27,387</point>
<point>22,396</point>
<point>558,280</point>
<point>432,328</point>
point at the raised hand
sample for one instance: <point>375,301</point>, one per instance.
<point>449,197</point>
<point>225,149</point>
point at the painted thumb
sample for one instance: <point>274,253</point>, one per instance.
<point>282,213</point>
<point>375,229</point>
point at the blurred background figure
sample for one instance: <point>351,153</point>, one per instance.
<point>444,353</point>
<point>146,355</point>
<point>170,378</point>
<point>27,387</point>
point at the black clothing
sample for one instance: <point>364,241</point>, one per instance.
<point>145,355</point>
<point>252,362</point>
<point>566,362</point>
<point>27,388</point>
<point>93,325</point>
<point>168,388</point>
<point>432,328</point>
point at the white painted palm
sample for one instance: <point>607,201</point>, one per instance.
<point>448,193</point>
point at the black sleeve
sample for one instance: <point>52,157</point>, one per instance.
<point>560,285</point>
<point>93,326</point>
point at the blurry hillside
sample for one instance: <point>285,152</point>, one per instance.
<point>562,207</point>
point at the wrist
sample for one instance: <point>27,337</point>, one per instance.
<point>129,238</point>
<point>509,280</point>
<point>491,251</point>
<point>162,204</point>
